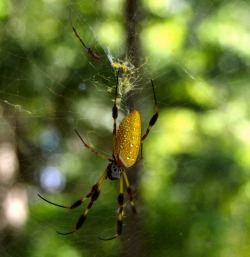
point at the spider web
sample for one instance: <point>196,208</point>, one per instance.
<point>191,189</point>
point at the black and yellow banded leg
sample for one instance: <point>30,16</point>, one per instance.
<point>130,194</point>
<point>155,116</point>
<point>121,203</point>
<point>94,193</point>
<point>120,213</point>
<point>115,109</point>
<point>91,149</point>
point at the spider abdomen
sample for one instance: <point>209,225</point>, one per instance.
<point>128,140</point>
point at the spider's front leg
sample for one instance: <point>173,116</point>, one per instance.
<point>155,116</point>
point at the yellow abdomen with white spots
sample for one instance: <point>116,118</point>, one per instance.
<point>128,140</point>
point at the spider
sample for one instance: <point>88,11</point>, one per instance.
<point>126,144</point>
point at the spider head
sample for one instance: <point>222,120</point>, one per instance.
<point>114,171</point>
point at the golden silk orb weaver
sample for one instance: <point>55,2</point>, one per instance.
<point>126,144</point>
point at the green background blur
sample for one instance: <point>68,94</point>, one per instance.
<point>192,187</point>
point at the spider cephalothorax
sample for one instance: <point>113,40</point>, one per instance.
<point>115,171</point>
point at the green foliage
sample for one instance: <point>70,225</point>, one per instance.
<point>192,189</point>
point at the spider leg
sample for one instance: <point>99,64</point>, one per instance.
<point>80,201</point>
<point>115,109</point>
<point>120,214</point>
<point>129,191</point>
<point>88,49</point>
<point>79,38</point>
<point>121,204</point>
<point>91,149</point>
<point>94,194</point>
<point>155,116</point>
